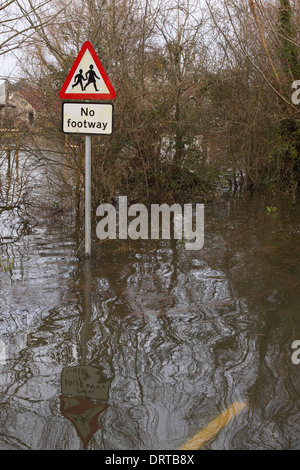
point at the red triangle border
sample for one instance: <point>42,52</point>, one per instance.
<point>89,96</point>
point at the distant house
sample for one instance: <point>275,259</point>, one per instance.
<point>25,105</point>
<point>21,105</point>
<point>16,108</point>
<point>5,107</point>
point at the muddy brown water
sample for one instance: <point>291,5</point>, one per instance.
<point>146,343</point>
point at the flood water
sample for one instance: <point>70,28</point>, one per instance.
<point>144,344</point>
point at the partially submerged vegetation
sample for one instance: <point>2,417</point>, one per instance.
<point>203,99</point>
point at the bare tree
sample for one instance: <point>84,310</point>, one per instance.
<point>20,20</point>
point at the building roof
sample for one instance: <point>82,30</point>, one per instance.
<point>37,99</point>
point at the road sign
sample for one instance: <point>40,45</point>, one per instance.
<point>85,381</point>
<point>87,118</point>
<point>87,78</point>
<point>83,414</point>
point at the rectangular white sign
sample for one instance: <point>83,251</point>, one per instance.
<point>87,118</point>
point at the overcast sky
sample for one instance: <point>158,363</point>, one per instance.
<point>8,66</point>
<point>9,62</point>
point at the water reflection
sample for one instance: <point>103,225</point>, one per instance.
<point>179,336</point>
<point>2,352</point>
<point>84,397</point>
<point>84,389</point>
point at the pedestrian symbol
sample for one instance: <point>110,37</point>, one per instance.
<point>78,79</point>
<point>91,76</point>
<point>87,78</point>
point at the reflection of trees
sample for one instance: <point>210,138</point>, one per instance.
<point>182,335</point>
<point>263,269</point>
<point>167,320</point>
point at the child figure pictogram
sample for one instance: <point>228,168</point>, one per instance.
<point>91,77</point>
<point>78,79</point>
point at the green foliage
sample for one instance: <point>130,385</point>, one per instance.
<point>174,90</point>
<point>7,265</point>
<point>289,51</point>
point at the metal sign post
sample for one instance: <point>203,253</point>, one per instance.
<point>88,119</point>
<point>88,186</point>
<point>90,81</point>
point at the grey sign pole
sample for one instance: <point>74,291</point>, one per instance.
<point>88,185</point>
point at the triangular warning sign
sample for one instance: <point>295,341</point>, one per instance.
<point>83,414</point>
<point>87,78</point>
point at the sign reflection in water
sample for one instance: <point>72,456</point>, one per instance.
<point>84,389</point>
